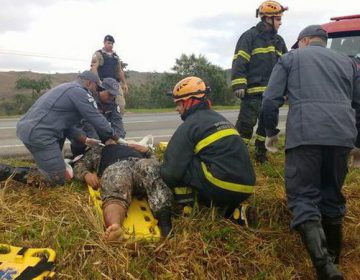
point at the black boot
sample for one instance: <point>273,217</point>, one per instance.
<point>20,173</point>
<point>164,221</point>
<point>313,237</point>
<point>333,232</point>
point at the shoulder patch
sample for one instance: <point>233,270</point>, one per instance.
<point>118,108</point>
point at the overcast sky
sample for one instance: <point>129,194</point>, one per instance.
<point>61,35</point>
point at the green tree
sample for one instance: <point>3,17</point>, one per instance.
<point>36,86</point>
<point>213,75</point>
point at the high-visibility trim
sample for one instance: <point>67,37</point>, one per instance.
<point>243,54</point>
<point>260,138</point>
<point>239,81</point>
<point>226,185</point>
<point>182,190</point>
<point>279,53</point>
<point>256,89</point>
<point>263,50</point>
<point>246,140</point>
<point>214,137</point>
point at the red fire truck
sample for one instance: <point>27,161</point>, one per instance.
<point>344,35</point>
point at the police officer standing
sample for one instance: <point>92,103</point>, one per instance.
<point>323,124</point>
<point>43,128</point>
<point>256,53</point>
<point>105,103</point>
<point>107,64</point>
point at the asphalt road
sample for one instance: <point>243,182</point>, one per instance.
<point>160,125</point>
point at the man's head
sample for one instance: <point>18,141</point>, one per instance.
<point>271,12</point>
<point>311,33</point>
<point>187,91</point>
<point>110,89</point>
<point>90,80</point>
<point>109,43</point>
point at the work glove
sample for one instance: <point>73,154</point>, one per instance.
<point>239,93</point>
<point>355,157</point>
<point>271,143</point>
<point>91,142</point>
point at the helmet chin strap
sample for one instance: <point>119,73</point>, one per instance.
<point>271,25</point>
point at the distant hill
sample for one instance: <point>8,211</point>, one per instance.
<point>8,80</point>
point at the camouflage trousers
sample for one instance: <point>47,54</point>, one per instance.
<point>135,176</point>
<point>248,116</point>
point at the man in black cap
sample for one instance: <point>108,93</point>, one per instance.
<point>43,128</point>
<point>323,124</point>
<point>105,101</point>
<point>107,64</point>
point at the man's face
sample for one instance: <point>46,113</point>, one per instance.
<point>108,46</point>
<point>92,86</point>
<point>277,22</point>
<point>106,97</point>
<point>180,107</point>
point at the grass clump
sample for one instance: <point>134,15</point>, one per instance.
<point>204,246</point>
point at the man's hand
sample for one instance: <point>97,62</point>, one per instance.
<point>271,143</point>
<point>110,142</point>
<point>355,158</point>
<point>91,142</point>
<point>92,180</point>
<point>239,93</point>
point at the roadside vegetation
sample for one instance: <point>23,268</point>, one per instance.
<point>204,245</point>
<point>148,91</point>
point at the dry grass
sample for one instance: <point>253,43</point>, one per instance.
<point>205,246</point>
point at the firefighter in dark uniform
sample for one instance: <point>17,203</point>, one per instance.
<point>323,125</point>
<point>107,64</point>
<point>256,53</point>
<point>43,128</point>
<point>206,152</point>
<point>105,100</point>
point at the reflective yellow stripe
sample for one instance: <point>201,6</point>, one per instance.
<point>182,190</point>
<point>246,140</point>
<point>239,81</point>
<point>279,53</point>
<point>259,137</point>
<point>214,137</point>
<point>226,185</point>
<point>243,54</point>
<point>263,50</point>
<point>256,89</point>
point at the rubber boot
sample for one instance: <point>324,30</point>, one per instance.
<point>19,173</point>
<point>164,221</point>
<point>313,237</point>
<point>333,232</point>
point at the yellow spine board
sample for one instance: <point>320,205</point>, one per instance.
<point>12,264</point>
<point>139,222</point>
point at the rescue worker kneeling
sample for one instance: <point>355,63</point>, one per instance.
<point>124,170</point>
<point>207,153</point>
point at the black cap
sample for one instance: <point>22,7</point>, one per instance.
<point>311,30</point>
<point>109,38</point>
<point>90,76</point>
<point>110,85</point>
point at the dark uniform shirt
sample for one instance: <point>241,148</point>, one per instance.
<point>256,53</point>
<point>323,89</point>
<point>56,111</point>
<point>212,139</point>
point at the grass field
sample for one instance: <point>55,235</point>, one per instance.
<point>204,245</point>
